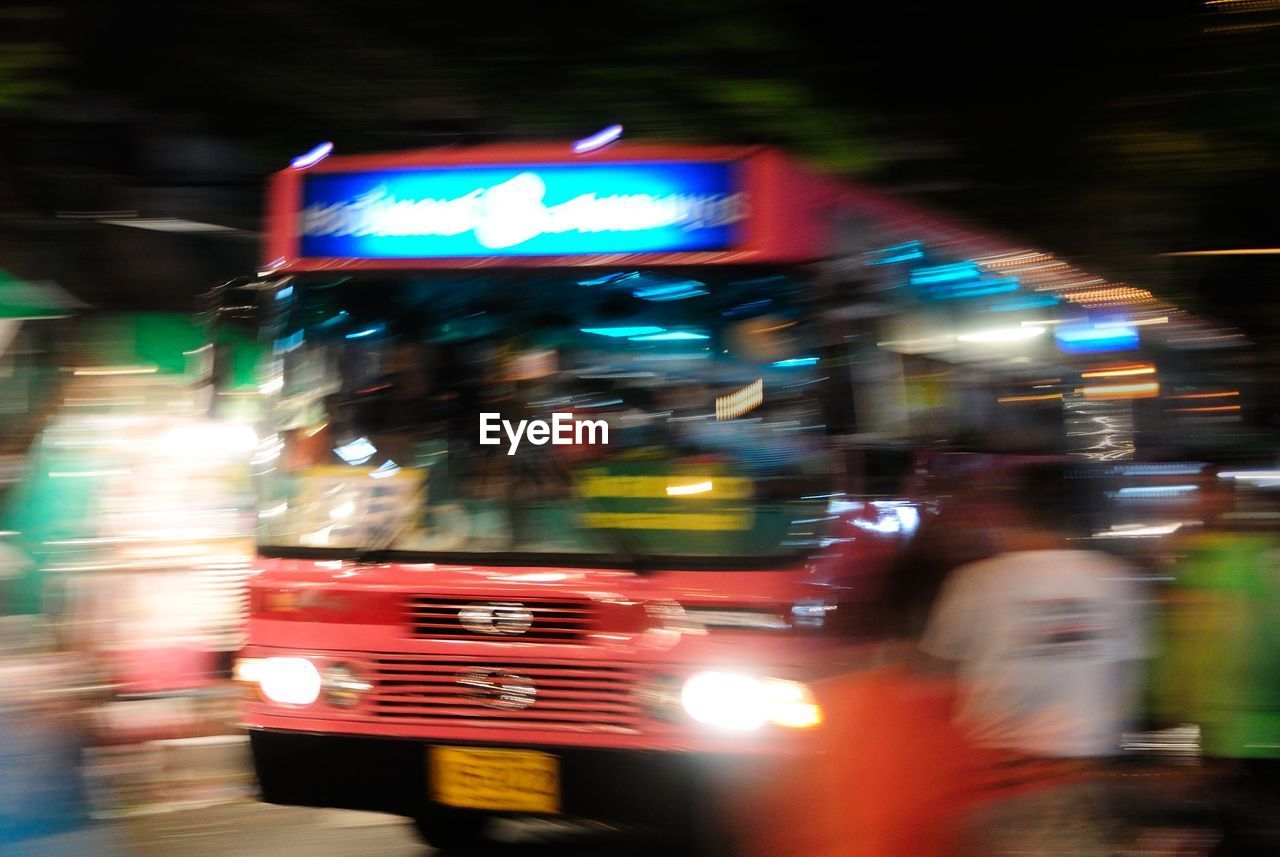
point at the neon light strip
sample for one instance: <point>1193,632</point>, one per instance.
<point>684,490</point>
<point>1121,391</point>
<point>1206,395</point>
<point>1044,398</point>
<point>598,140</point>
<point>740,402</point>
<point>1119,372</point>
<point>313,157</point>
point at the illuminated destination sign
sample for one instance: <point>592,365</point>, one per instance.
<point>522,210</point>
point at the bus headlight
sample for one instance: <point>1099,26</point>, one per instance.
<point>792,705</point>
<point>743,703</point>
<point>288,681</point>
<point>342,687</point>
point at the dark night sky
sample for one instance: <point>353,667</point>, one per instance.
<point>1110,131</point>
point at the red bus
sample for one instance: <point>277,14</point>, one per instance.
<point>551,517</point>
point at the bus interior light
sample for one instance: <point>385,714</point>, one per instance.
<point>624,332</point>
<point>357,451</point>
<point>669,336</point>
<point>1000,335</point>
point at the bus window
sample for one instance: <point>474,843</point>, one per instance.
<point>415,414</point>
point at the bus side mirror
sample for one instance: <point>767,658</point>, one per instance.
<point>237,318</point>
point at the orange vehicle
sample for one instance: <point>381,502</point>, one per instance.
<point>551,518</point>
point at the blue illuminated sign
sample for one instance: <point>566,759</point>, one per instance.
<point>521,210</point>
<point>1085,339</point>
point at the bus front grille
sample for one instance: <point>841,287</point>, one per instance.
<point>538,621</point>
<point>588,697</point>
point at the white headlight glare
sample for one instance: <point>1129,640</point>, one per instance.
<point>247,670</point>
<point>792,705</point>
<point>728,700</point>
<point>289,681</point>
<point>742,703</point>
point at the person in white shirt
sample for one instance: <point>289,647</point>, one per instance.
<point>1045,637</point>
<point>1046,641</point>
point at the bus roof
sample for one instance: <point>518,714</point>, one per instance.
<point>541,204</point>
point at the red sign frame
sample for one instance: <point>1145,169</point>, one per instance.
<point>786,224</point>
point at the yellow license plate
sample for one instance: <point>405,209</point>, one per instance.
<point>500,780</point>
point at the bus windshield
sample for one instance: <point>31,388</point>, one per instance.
<point>680,411</point>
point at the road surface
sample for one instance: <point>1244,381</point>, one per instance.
<point>247,828</point>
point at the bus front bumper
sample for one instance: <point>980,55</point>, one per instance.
<point>393,775</point>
